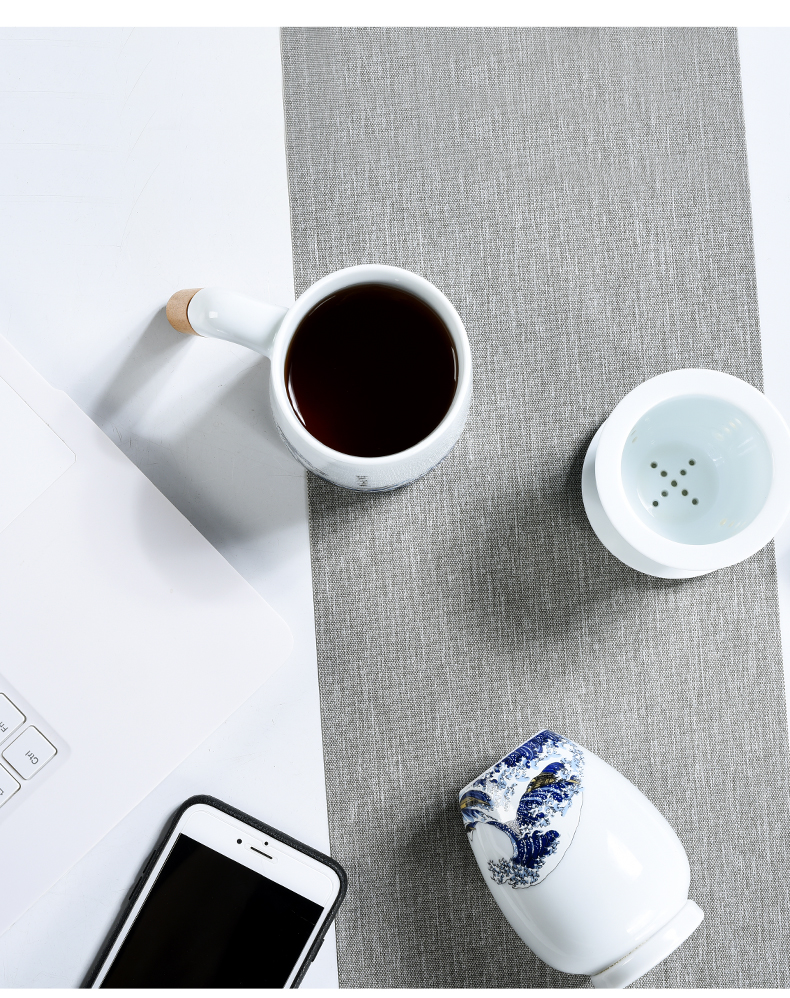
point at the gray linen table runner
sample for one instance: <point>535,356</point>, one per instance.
<point>581,196</point>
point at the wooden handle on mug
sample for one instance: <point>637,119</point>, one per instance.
<point>177,310</point>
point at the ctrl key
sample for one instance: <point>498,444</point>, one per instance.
<point>8,786</point>
<point>29,753</point>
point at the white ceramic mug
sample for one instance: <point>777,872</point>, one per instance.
<point>585,869</point>
<point>690,473</point>
<point>268,329</point>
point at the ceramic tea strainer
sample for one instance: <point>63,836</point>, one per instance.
<point>690,473</point>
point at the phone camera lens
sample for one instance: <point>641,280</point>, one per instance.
<point>239,841</point>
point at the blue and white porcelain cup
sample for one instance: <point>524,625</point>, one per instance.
<point>583,866</point>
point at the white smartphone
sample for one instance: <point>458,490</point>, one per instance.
<point>223,901</point>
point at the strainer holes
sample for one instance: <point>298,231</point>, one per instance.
<point>655,502</point>
<point>663,474</point>
<point>694,502</point>
<point>664,493</point>
<point>653,464</point>
<point>685,492</point>
<point>692,462</point>
<point>673,483</point>
<point>683,471</point>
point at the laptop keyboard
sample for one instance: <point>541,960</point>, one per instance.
<point>24,750</point>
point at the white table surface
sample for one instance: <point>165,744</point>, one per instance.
<point>138,162</point>
<point>132,164</point>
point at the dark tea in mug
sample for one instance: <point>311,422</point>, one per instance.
<point>371,370</point>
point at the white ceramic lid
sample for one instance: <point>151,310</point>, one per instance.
<point>696,558</point>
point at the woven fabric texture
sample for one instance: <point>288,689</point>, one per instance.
<point>581,196</point>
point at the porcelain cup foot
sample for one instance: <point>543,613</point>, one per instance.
<point>653,951</point>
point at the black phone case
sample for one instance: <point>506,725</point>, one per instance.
<point>149,864</point>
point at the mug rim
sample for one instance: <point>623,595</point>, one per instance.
<point>371,273</point>
<point>608,469</point>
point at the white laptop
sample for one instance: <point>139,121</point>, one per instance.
<point>125,638</point>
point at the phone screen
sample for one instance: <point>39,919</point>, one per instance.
<point>209,922</point>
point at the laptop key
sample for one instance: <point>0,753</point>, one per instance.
<point>8,786</point>
<point>29,753</point>
<point>10,717</point>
